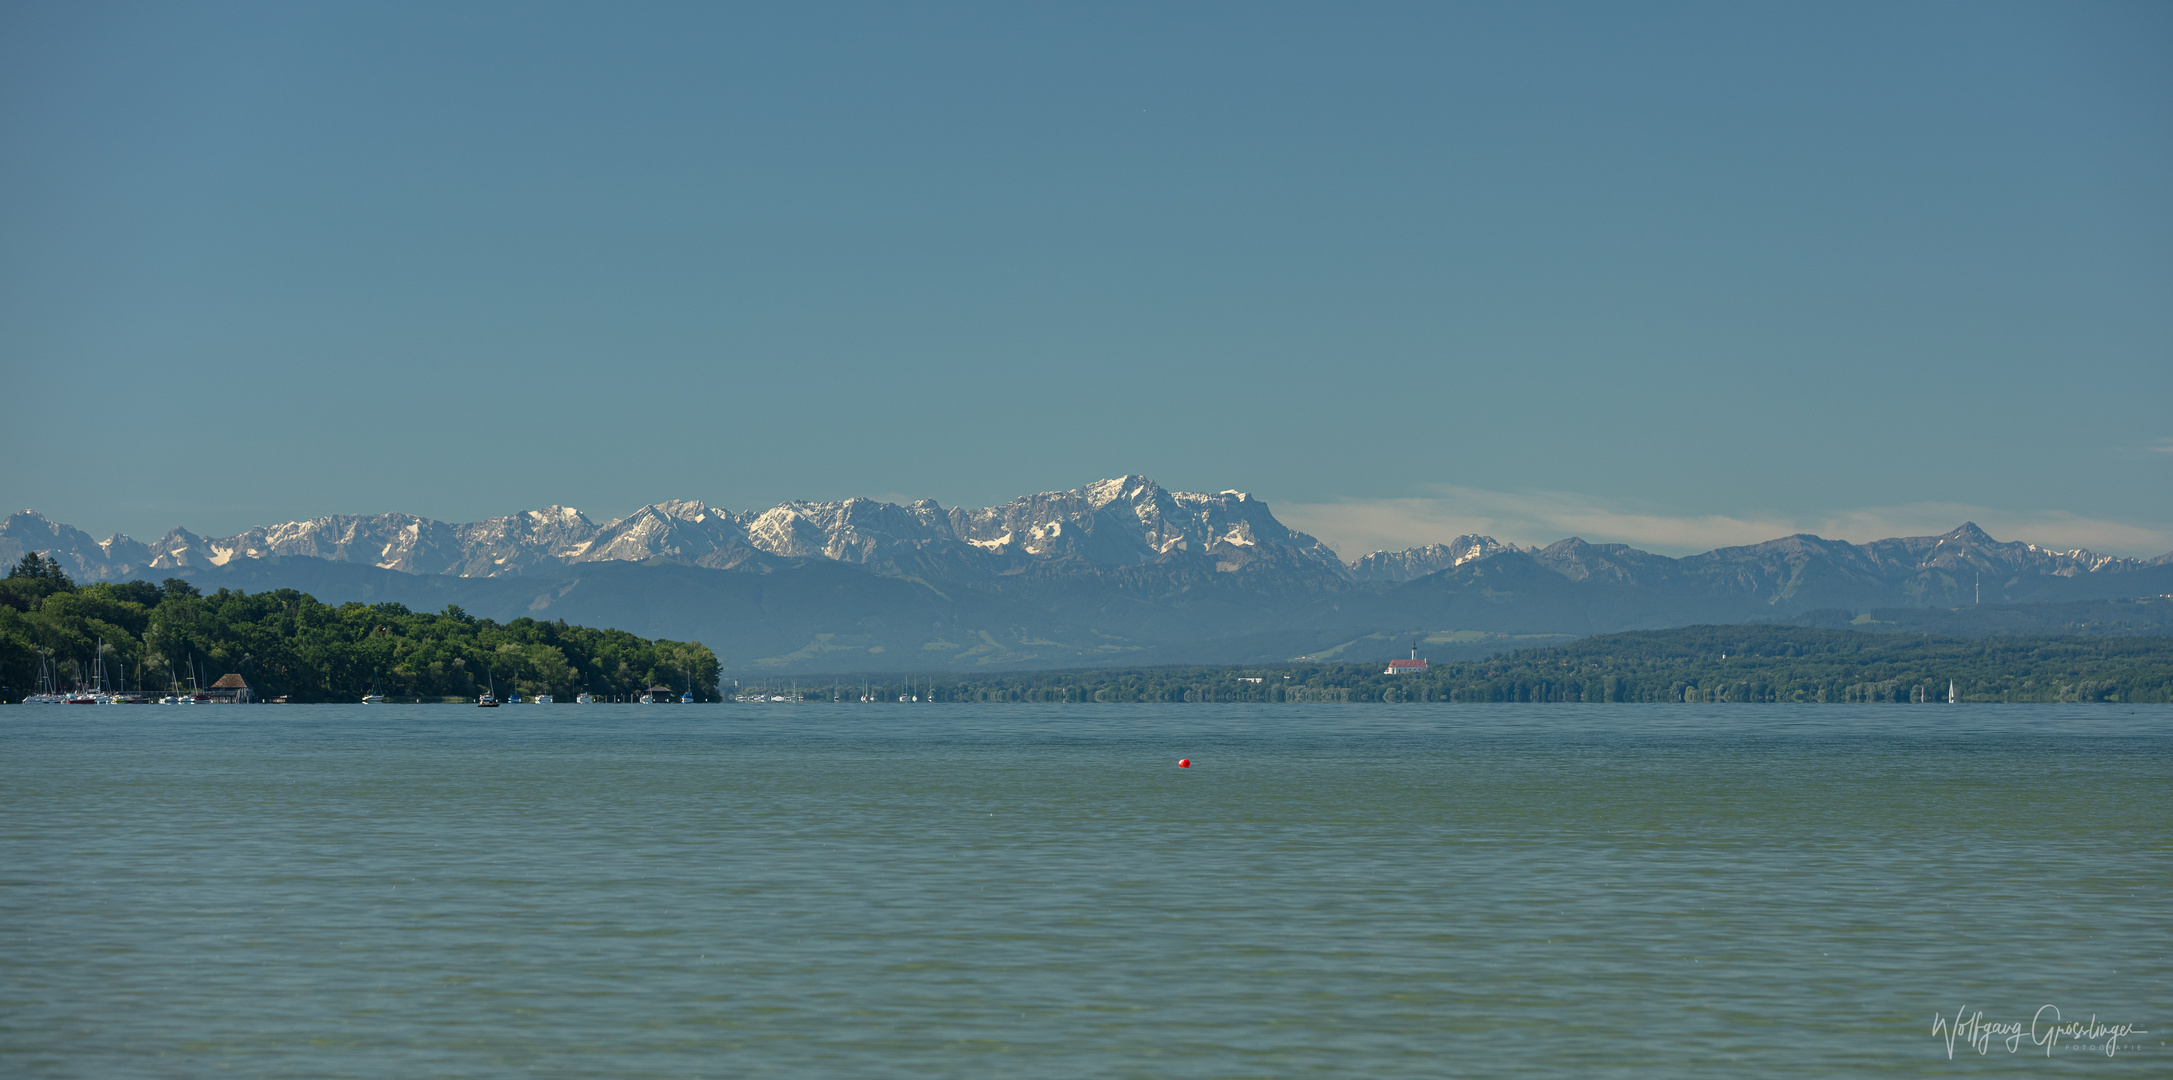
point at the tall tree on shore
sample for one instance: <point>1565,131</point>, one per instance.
<point>36,567</point>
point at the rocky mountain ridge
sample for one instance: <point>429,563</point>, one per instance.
<point>1420,561</point>
<point>1124,521</point>
<point>1128,521</point>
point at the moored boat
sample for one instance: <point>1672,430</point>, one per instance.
<point>48,692</point>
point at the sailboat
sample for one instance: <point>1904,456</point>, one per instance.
<point>197,696</point>
<point>115,685</point>
<point>375,696</point>
<point>48,684</point>
<point>95,694</point>
<point>489,700</point>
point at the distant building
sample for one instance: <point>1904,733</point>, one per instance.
<point>1413,666</point>
<point>231,690</point>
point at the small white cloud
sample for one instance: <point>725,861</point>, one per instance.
<point>1356,526</point>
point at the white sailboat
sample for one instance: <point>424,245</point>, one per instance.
<point>48,684</point>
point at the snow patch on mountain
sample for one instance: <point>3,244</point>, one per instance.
<point>1420,561</point>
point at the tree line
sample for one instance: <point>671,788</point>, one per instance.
<point>288,644</point>
<point>1702,664</point>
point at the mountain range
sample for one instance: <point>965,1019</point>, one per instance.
<point>1119,571</point>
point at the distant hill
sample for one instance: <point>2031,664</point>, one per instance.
<point>1715,665</point>
<point>1116,572</point>
<point>2091,618</point>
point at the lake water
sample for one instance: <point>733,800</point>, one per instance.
<point>1037,891</point>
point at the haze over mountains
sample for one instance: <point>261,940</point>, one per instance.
<point>1120,571</point>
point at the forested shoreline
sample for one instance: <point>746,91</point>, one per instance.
<point>1705,664</point>
<point>288,644</point>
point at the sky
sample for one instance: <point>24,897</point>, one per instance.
<point>1679,275</point>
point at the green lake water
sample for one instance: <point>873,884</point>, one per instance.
<point>1037,891</point>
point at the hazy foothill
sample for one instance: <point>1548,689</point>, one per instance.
<point>1711,665</point>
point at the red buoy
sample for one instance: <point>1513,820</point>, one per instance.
<point>1184,763</point>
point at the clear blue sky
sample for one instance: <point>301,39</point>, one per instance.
<point>1713,266</point>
